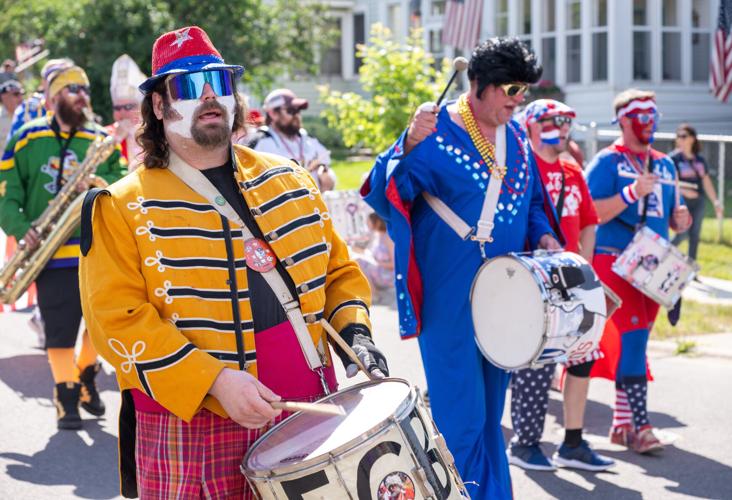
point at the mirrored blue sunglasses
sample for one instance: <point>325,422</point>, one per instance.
<point>643,118</point>
<point>190,85</point>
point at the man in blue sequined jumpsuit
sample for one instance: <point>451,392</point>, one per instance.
<point>435,267</point>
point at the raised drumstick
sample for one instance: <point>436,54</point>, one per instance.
<point>458,64</point>
<point>321,408</point>
<point>346,348</point>
<point>685,185</point>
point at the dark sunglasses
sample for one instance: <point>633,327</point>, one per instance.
<point>558,120</point>
<point>293,111</point>
<point>682,136</point>
<point>124,107</point>
<point>75,88</point>
<point>512,89</point>
<point>190,85</point>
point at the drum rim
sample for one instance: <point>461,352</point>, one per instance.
<point>544,294</point>
<point>404,409</point>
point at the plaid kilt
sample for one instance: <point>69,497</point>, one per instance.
<point>200,459</point>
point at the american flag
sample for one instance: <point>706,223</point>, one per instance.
<point>721,67</point>
<point>462,23</point>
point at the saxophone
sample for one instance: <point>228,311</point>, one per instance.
<point>55,225</point>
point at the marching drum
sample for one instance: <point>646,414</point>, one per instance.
<point>535,309</point>
<point>349,214</point>
<point>386,444</point>
<point>656,267</point>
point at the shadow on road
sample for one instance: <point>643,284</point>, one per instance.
<point>69,459</point>
<point>29,376</point>
<point>694,475</point>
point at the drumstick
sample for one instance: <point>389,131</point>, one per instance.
<point>458,64</point>
<point>321,408</point>
<point>682,184</point>
<point>346,348</point>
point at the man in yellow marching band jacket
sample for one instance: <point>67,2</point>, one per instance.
<point>204,271</point>
<point>37,161</point>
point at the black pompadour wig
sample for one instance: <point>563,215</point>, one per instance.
<point>503,60</point>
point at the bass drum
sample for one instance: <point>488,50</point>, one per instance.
<point>533,309</point>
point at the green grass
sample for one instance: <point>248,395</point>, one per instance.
<point>696,319</point>
<point>350,173</point>
<point>714,258</point>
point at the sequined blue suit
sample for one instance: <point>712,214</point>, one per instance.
<point>434,273</point>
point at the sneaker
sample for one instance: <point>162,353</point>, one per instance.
<point>622,435</point>
<point>581,457</point>
<point>529,457</point>
<point>646,441</point>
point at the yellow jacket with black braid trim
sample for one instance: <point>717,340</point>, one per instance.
<point>154,282</point>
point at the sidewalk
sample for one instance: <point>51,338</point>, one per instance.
<point>714,345</point>
<point>710,291</point>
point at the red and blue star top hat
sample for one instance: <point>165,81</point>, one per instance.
<point>186,50</point>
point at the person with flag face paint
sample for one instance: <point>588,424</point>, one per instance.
<point>548,123</point>
<point>192,255</point>
<point>624,205</point>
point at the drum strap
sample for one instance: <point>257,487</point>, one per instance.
<point>198,182</point>
<point>485,225</point>
<point>644,214</point>
<point>560,200</point>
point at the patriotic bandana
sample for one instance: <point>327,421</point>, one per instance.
<point>641,112</point>
<point>547,108</point>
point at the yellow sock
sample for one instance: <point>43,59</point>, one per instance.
<point>87,354</point>
<point>62,364</point>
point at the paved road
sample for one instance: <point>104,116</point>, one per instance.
<point>690,401</point>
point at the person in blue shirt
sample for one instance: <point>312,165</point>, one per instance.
<point>447,153</point>
<point>624,205</point>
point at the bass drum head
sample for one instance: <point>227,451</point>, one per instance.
<point>508,312</point>
<point>305,437</point>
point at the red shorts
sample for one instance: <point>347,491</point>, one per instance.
<point>637,312</point>
<point>200,459</point>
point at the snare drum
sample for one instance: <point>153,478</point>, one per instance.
<point>655,267</point>
<point>349,214</point>
<point>535,309</point>
<point>386,443</point>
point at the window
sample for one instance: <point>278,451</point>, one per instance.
<point>548,16</point>
<point>395,19</point>
<point>574,59</point>
<point>436,48</point>
<point>641,55</point>
<point>671,60</point>
<point>700,54</point>
<point>437,7</point>
<point>549,58</point>
<point>330,58</point>
<point>670,13</point>
<point>502,17</point>
<point>599,13</point>
<point>359,38</point>
<point>525,17</point>
<point>599,56</point>
<point>700,13</point>
<point>574,17</point>
<point>640,12</point>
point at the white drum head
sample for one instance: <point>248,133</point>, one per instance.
<point>508,312</point>
<point>307,436</point>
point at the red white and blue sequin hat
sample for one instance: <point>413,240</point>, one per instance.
<point>186,50</point>
<point>544,108</point>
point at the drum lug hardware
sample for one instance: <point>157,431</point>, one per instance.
<point>427,490</point>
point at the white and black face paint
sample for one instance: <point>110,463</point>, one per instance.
<point>186,109</point>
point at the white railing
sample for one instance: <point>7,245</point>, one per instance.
<point>592,135</point>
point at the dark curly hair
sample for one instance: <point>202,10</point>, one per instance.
<point>503,60</point>
<point>151,135</point>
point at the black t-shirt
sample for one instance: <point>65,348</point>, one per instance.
<point>266,309</point>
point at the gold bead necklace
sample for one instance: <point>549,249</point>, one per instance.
<point>486,149</point>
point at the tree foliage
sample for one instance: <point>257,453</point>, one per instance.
<point>397,78</point>
<point>270,40</point>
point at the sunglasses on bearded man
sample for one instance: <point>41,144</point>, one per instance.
<point>190,85</point>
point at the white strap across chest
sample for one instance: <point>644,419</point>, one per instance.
<point>484,227</point>
<point>198,182</point>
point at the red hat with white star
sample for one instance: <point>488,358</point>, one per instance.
<point>185,50</point>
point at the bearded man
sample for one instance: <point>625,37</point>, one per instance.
<point>38,160</point>
<point>206,273</point>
